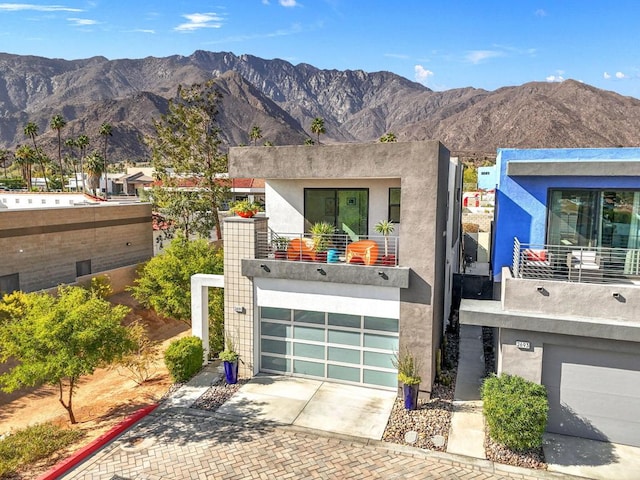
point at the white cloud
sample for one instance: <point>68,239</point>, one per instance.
<point>142,30</point>
<point>288,3</point>
<point>621,75</point>
<point>199,20</point>
<point>606,76</point>
<point>478,56</point>
<point>16,7</point>
<point>82,22</point>
<point>555,78</point>
<point>540,13</point>
<point>422,74</point>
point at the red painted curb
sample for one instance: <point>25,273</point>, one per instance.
<point>79,456</point>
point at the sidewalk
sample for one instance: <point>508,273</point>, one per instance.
<point>466,434</point>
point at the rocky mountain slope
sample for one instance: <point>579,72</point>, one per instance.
<point>282,99</point>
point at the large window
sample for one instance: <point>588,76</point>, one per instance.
<point>340,207</point>
<point>594,218</point>
<point>394,204</point>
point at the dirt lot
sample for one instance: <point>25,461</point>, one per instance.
<point>103,399</point>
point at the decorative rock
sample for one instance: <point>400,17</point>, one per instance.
<point>438,440</point>
<point>411,436</point>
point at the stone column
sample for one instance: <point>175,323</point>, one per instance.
<point>240,241</point>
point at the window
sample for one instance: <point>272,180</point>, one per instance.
<point>394,205</point>
<point>83,268</point>
<point>9,283</point>
<point>594,218</point>
<point>341,207</point>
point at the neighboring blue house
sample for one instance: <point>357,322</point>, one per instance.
<point>487,178</point>
<point>566,267</point>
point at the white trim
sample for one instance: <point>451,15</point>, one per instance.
<point>200,284</point>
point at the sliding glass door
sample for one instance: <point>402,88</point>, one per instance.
<point>346,209</point>
<point>594,218</point>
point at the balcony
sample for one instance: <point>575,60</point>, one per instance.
<point>364,260</point>
<point>576,264</point>
<point>364,250</point>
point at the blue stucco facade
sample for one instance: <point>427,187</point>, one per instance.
<point>521,201</point>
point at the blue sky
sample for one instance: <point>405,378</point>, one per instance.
<point>442,44</point>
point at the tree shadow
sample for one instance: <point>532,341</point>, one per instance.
<point>591,448</point>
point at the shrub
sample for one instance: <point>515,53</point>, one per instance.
<point>139,364</point>
<point>33,443</point>
<point>516,411</point>
<point>184,358</point>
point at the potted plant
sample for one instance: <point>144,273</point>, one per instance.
<point>386,228</point>
<point>279,246</point>
<point>408,367</point>
<point>229,358</point>
<point>245,208</point>
<point>321,235</point>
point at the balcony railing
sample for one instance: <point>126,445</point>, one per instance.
<point>576,264</point>
<point>366,250</point>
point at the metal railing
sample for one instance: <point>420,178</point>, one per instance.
<point>366,250</point>
<point>576,264</point>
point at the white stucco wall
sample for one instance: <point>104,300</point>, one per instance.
<point>285,201</point>
<point>367,300</point>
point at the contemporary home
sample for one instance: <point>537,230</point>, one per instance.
<point>566,266</point>
<point>338,305</point>
<point>42,248</point>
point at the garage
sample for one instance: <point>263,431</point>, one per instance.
<point>340,347</point>
<point>593,393</point>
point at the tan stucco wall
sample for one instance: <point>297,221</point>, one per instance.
<point>43,246</point>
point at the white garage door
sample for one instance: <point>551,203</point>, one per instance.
<point>593,393</point>
<point>339,347</point>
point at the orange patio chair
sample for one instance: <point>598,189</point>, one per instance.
<point>362,252</point>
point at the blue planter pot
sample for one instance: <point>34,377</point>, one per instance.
<point>410,393</point>
<point>231,372</point>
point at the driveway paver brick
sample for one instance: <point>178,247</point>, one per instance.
<point>177,444</point>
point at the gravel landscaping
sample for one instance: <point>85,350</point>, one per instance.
<point>219,393</point>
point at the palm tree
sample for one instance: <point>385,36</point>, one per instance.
<point>82,142</point>
<point>57,123</point>
<point>25,156</point>
<point>4,159</point>
<point>317,127</point>
<point>71,158</point>
<point>31,131</point>
<point>106,132</point>
<point>389,137</point>
<point>255,134</point>
<point>94,167</point>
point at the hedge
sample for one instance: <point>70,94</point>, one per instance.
<point>184,358</point>
<point>516,411</point>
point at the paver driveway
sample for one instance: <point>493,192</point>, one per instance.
<point>192,444</point>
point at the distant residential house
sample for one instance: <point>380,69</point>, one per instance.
<point>340,315</point>
<point>566,266</point>
<point>487,178</point>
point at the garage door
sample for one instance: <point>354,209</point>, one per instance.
<point>593,393</point>
<point>330,346</point>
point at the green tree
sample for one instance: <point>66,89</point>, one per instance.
<point>31,131</point>
<point>94,166</point>
<point>388,137</point>
<point>4,160</point>
<point>58,123</point>
<point>106,131</point>
<point>255,134</point>
<point>317,127</point>
<point>58,340</point>
<point>82,142</point>
<point>71,158</point>
<point>164,283</point>
<point>187,145</point>
<point>25,157</point>
<point>470,177</point>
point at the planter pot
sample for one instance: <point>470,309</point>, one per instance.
<point>389,260</point>
<point>321,257</point>
<point>246,214</point>
<point>333,256</point>
<point>231,372</point>
<point>410,393</point>
<point>280,255</point>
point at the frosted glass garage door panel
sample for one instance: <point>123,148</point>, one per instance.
<point>309,333</point>
<point>275,313</point>
<point>309,351</point>
<point>338,372</point>
<point>384,379</point>
<point>304,367</point>
<point>384,342</point>
<point>374,359</point>
<point>344,338</point>
<point>280,330</point>
<point>344,355</point>
<point>275,346</point>
<point>305,316</point>
<point>382,324</point>
<point>276,364</point>
<point>342,320</point>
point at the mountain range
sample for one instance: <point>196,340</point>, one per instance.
<point>282,99</point>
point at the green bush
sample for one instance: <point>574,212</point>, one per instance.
<point>516,411</point>
<point>32,444</point>
<point>184,358</point>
